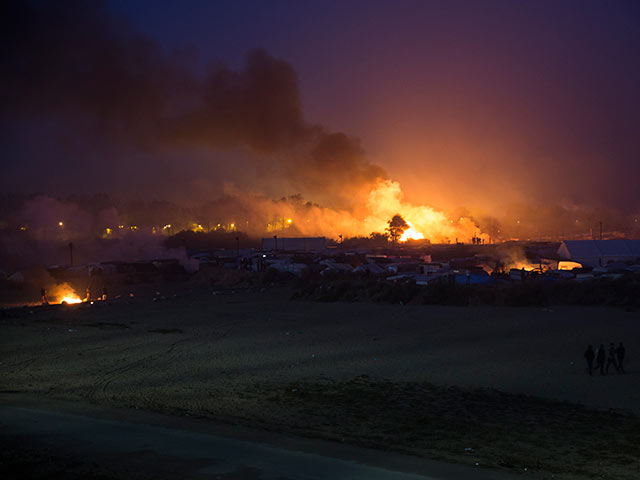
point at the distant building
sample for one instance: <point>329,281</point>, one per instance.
<point>302,244</point>
<point>597,253</point>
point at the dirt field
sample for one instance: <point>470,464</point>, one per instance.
<point>505,388</point>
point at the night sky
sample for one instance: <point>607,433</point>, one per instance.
<point>486,105</point>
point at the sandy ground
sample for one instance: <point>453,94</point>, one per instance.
<point>313,369</point>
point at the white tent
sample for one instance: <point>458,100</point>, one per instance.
<point>596,253</point>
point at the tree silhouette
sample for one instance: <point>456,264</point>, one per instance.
<point>397,226</point>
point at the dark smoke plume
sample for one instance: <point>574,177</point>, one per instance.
<point>75,63</point>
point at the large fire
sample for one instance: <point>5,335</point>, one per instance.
<point>375,204</point>
<point>378,203</point>
<point>387,199</point>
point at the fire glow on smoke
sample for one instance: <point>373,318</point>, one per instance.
<point>386,199</point>
<point>374,204</point>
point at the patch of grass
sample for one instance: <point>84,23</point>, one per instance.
<point>457,424</point>
<point>106,325</point>
<point>166,330</point>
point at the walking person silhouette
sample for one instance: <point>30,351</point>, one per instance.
<point>620,353</point>
<point>589,355</point>
<point>611,358</point>
<point>600,359</point>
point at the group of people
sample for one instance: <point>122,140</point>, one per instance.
<point>614,357</point>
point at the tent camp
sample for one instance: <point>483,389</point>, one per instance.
<point>595,253</point>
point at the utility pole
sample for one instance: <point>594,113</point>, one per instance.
<point>275,243</point>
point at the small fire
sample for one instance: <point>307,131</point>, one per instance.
<point>63,293</point>
<point>522,265</point>
<point>71,299</point>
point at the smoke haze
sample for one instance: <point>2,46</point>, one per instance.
<point>89,104</point>
<point>81,72</point>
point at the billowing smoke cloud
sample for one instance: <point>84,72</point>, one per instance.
<point>74,62</point>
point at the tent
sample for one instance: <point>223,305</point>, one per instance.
<point>596,253</point>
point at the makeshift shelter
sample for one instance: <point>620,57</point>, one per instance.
<point>370,268</point>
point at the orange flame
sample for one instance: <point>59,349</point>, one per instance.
<point>522,265</point>
<point>64,293</point>
<point>71,299</point>
<point>411,234</point>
